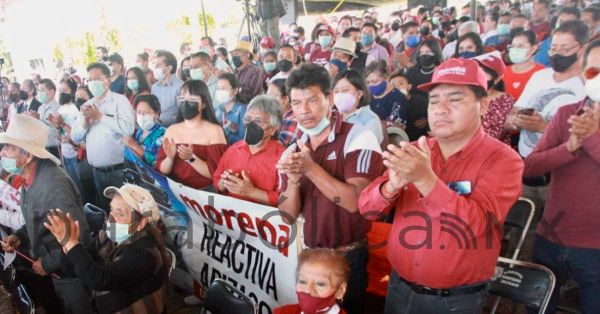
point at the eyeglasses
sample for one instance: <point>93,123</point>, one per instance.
<point>591,73</point>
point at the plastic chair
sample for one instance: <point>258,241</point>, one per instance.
<point>522,282</point>
<point>222,298</point>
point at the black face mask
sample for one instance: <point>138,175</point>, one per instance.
<point>284,65</point>
<point>237,61</point>
<point>425,31</point>
<point>254,134</point>
<point>186,73</point>
<point>64,98</point>
<point>426,61</point>
<point>561,63</point>
<point>79,102</point>
<point>23,95</point>
<point>189,109</point>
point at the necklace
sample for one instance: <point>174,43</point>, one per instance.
<point>426,72</point>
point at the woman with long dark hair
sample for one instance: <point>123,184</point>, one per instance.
<point>136,84</point>
<point>193,146</point>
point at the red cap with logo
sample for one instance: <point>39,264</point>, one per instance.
<point>267,42</point>
<point>457,72</point>
<point>493,61</point>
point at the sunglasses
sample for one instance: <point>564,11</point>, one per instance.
<point>591,72</point>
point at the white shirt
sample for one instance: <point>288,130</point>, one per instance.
<point>104,138</point>
<point>449,50</point>
<point>365,119</point>
<point>545,95</point>
<point>69,113</point>
<point>488,35</point>
<point>45,110</point>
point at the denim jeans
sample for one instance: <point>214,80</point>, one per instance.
<point>582,264</point>
<point>401,299</point>
<point>72,168</point>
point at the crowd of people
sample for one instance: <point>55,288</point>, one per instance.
<point>409,119</point>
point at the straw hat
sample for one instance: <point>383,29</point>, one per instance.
<point>137,198</point>
<point>243,45</point>
<point>345,45</point>
<point>29,134</point>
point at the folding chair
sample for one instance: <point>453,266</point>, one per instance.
<point>22,299</point>
<point>96,218</point>
<point>522,282</point>
<point>173,261</point>
<point>516,227</point>
<point>222,298</point>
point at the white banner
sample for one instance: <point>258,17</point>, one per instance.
<point>244,243</point>
<point>9,196</point>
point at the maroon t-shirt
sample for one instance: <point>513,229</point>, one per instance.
<point>320,57</point>
<point>327,224</point>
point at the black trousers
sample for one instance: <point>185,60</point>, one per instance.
<point>354,299</point>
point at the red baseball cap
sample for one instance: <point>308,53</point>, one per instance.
<point>492,61</point>
<point>457,72</point>
<point>267,42</point>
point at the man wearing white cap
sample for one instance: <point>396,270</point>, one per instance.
<point>46,187</point>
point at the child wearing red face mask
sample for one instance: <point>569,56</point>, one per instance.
<point>322,275</point>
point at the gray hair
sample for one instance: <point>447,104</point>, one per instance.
<point>270,106</point>
<point>468,27</point>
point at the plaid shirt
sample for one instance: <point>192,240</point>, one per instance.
<point>289,130</point>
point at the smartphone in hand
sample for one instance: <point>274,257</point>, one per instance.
<point>526,112</point>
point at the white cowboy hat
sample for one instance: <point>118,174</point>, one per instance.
<point>29,134</point>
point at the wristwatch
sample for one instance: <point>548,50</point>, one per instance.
<point>191,160</point>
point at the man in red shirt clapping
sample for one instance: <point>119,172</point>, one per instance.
<point>451,195</point>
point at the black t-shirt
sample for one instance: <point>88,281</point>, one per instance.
<point>416,77</point>
<point>417,109</point>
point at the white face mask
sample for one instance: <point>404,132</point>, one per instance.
<point>222,97</point>
<point>592,88</point>
<point>146,121</point>
<point>158,74</point>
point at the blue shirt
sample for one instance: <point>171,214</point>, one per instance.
<point>167,94</point>
<point>151,143</point>
<point>392,107</point>
<point>541,56</point>
<point>232,121</point>
<point>118,85</point>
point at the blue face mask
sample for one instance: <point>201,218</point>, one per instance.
<point>10,165</point>
<point>43,97</point>
<point>467,54</point>
<point>269,66</point>
<point>378,89</point>
<point>96,87</point>
<point>324,41</point>
<point>317,129</point>
<point>503,29</point>
<point>117,232</point>
<point>367,39</point>
<point>413,41</point>
<point>340,65</point>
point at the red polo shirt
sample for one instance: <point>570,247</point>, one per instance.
<point>260,167</point>
<point>441,240</point>
<point>327,224</point>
